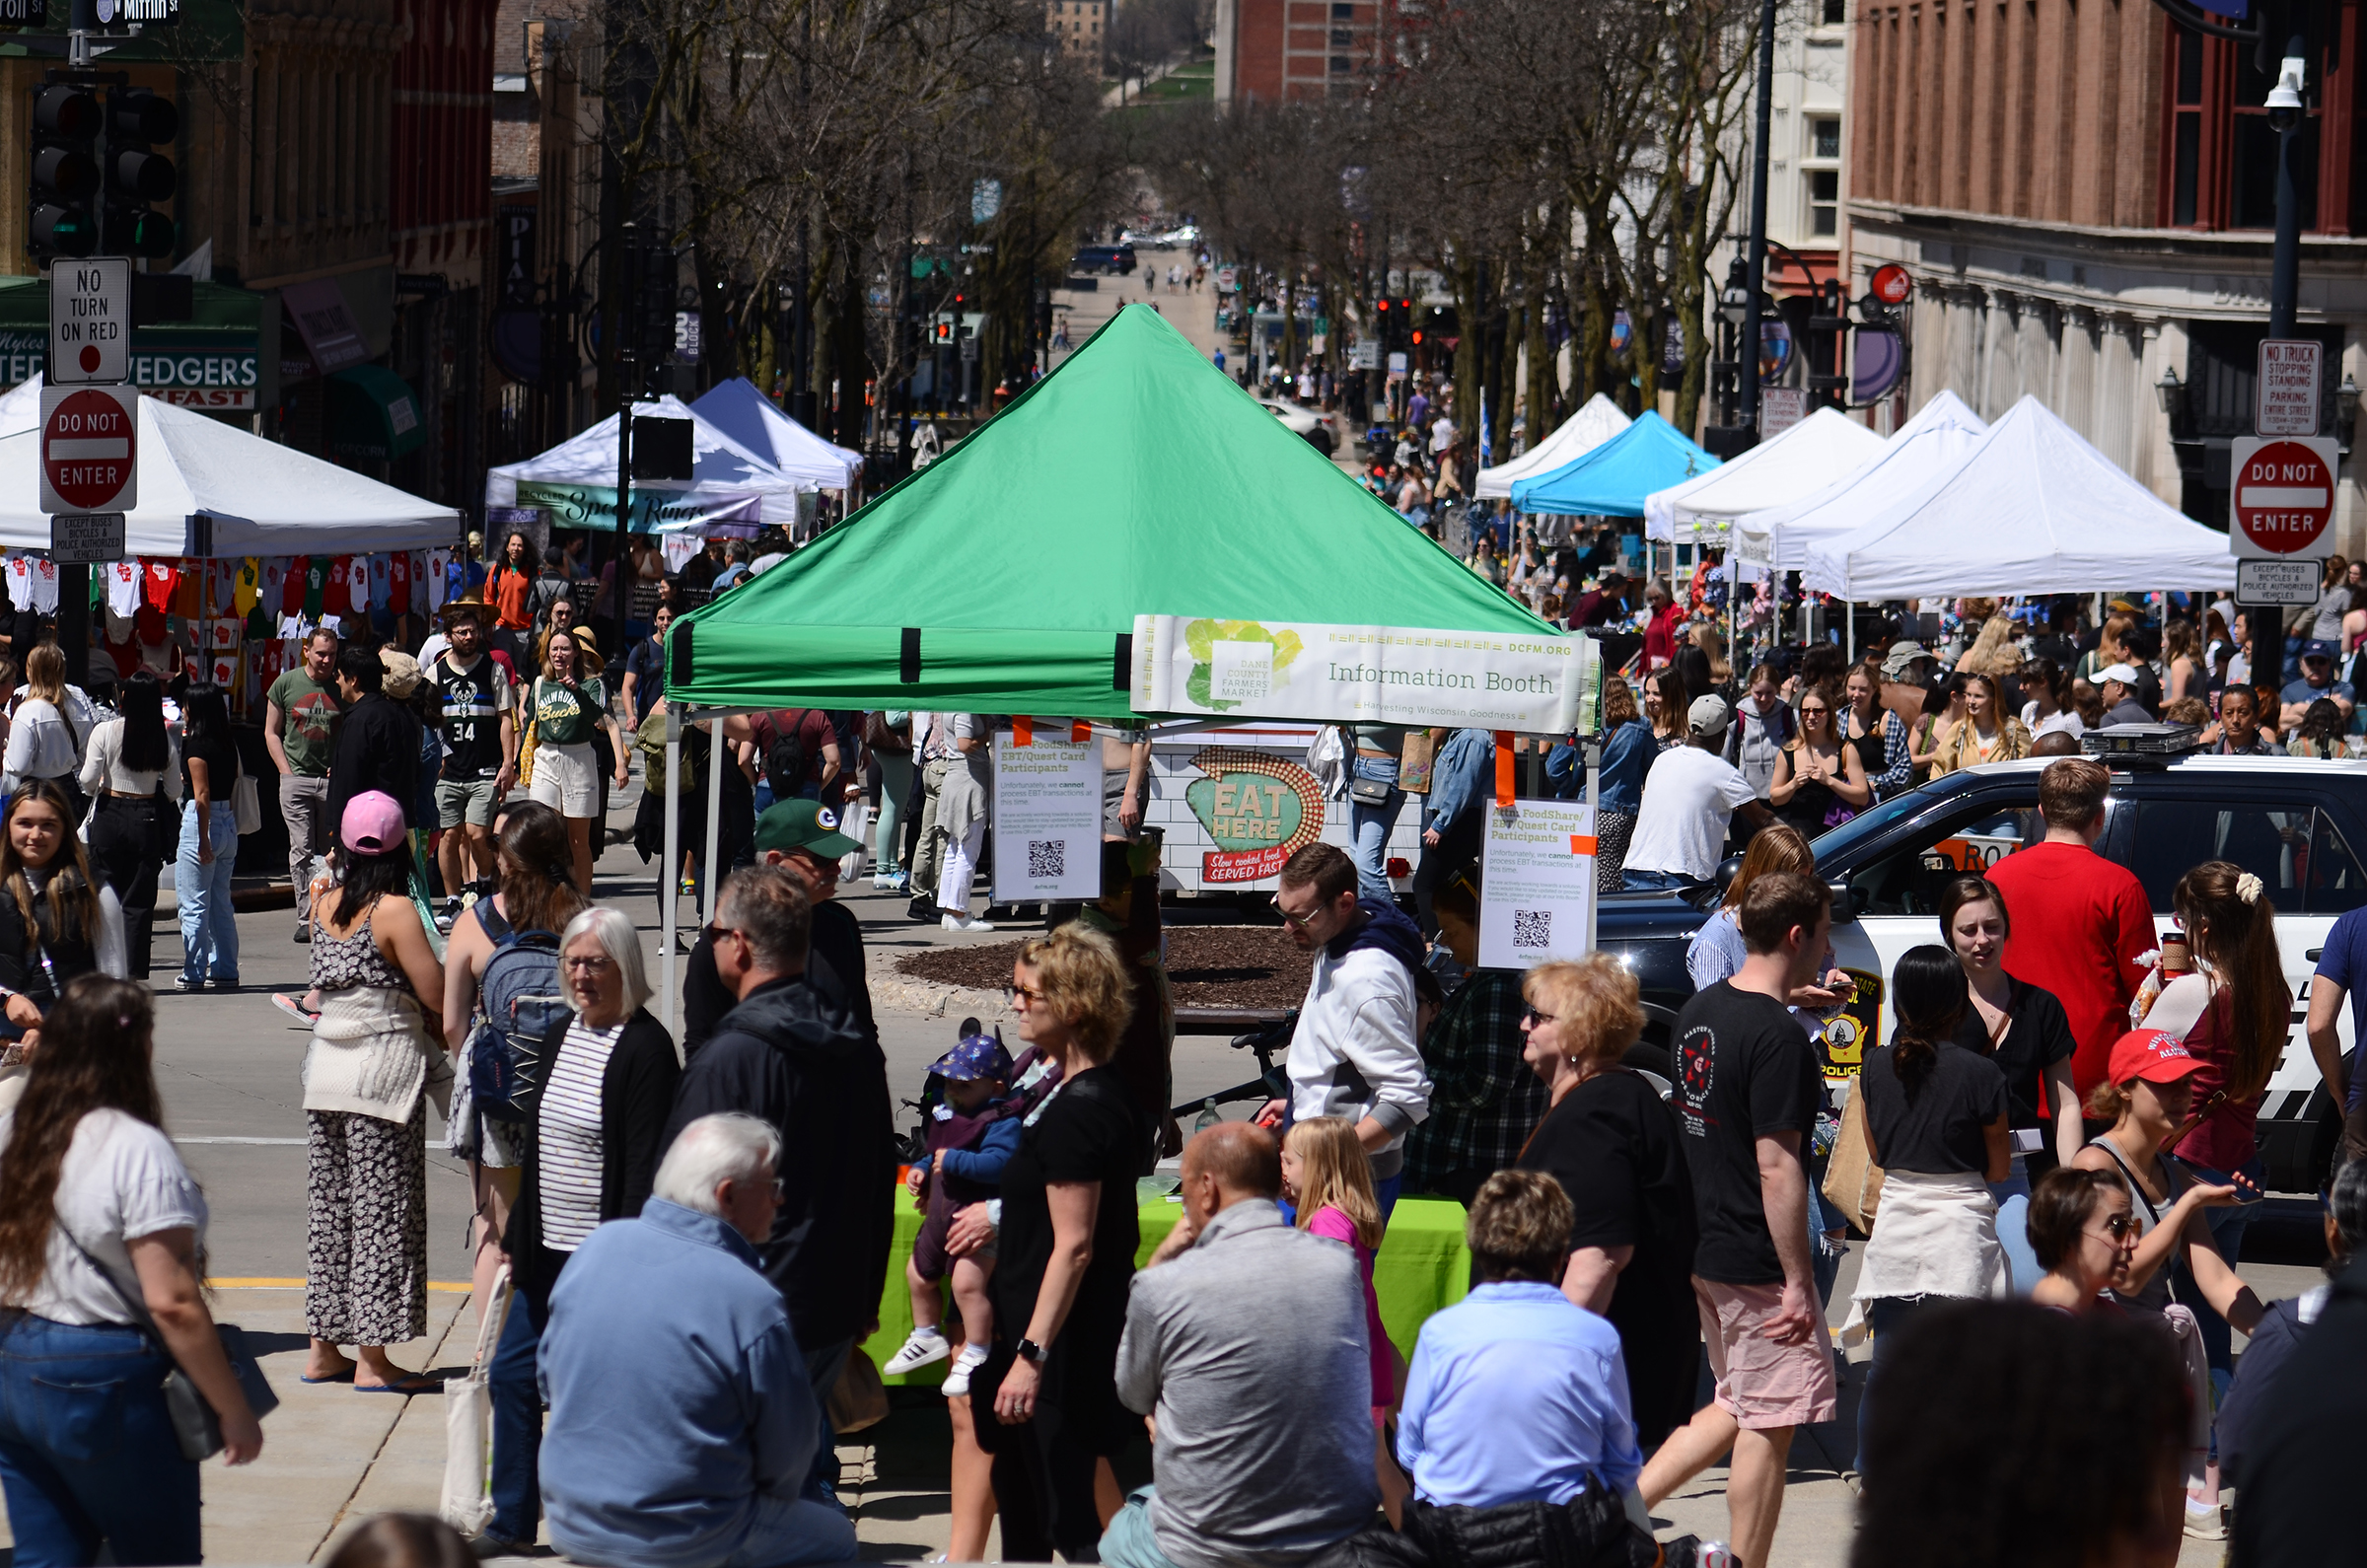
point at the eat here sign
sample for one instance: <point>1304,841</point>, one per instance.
<point>2283,498</point>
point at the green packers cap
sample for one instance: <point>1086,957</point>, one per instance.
<point>802,825</point>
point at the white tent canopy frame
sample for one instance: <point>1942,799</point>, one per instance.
<point>1930,445</point>
<point>208,489</point>
<point>788,445</point>
<point>1597,420</point>
<point>720,465</point>
<point>1795,463</point>
<point>2032,508</point>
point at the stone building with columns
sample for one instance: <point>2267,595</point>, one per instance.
<point>2084,197</point>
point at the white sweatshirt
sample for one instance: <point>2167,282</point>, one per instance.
<point>1354,1055</point>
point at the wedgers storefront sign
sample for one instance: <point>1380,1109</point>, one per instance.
<point>208,377</point>
<point>1537,685</point>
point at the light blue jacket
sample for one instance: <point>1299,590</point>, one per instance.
<point>677,1394</point>
<point>1456,776</point>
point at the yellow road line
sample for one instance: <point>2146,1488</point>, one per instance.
<point>462,1287</point>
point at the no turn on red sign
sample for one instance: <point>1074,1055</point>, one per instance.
<point>90,449</point>
<point>2283,496</point>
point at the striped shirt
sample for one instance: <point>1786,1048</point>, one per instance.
<point>567,1130</point>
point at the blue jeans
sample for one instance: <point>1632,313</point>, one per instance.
<point>2013,1227</point>
<point>1367,827</point>
<point>785,1530</point>
<point>518,1419</point>
<point>1384,1193</point>
<point>209,930</point>
<point>822,1372</point>
<point>87,1452</point>
<point>1656,881</point>
<point>1128,1543</point>
<point>2227,1227</point>
<point>1884,1316</point>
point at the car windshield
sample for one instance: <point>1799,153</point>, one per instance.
<point>1834,849</point>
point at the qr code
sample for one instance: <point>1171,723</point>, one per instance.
<point>1532,928</point>
<point>1047,857</point>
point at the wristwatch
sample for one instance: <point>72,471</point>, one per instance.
<point>1029,1351</point>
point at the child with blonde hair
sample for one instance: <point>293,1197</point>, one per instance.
<point>1329,1180</point>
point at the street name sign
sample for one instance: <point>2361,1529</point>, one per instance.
<point>90,320</point>
<point>90,449</point>
<point>2283,496</point>
<point>2285,399</point>
<point>85,539</point>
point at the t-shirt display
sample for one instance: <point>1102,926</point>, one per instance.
<point>309,733</point>
<point>1939,1131</point>
<point>471,702</point>
<point>1745,1070</point>
<point>2037,1037</point>
<point>1614,1148</point>
<point>565,716</point>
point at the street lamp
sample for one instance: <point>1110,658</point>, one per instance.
<point>2285,107</point>
<point>1733,301</point>
<point>2169,389</point>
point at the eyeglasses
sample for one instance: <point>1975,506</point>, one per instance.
<point>594,964</point>
<point>1530,1016</point>
<point>1018,994</point>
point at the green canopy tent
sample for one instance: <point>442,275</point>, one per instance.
<point>1129,507</point>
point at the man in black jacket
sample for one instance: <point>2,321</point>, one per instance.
<point>804,836</point>
<point>378,740</point>
<point>792,1054</point>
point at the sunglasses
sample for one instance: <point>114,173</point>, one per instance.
<point>1014,994</point>
<point>2119,1226</point>
<point>1530,1016</point>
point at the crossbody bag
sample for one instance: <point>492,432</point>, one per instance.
<point>195,1425</point>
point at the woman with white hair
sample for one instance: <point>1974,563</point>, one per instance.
<point>596,1137</point>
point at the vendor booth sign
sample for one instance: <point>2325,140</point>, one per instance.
<point>1537,887</point>
<point>1360,675</point>
<point>582,506</point>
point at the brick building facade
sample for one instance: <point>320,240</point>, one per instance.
<point>1271,50</point>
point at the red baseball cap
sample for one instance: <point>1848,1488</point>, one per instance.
<point>2155,1055</point>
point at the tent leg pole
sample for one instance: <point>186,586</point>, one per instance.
<point>718,758</point>
<point>670,870</point>
<point>1849,620</point>
<point>1593,758</point>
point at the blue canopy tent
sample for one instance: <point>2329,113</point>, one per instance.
<point>1612,480</point>
<point>750,418</point>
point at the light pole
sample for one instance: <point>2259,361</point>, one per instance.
<point>2284,116</point>
<point>1756,257</point>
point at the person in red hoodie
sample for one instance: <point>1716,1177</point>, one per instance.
<point>1660,632</point>
<point>2079,922</point>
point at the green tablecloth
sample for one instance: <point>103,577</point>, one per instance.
<point>1422,1266</point>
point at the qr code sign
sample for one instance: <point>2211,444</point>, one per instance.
<point>1532,928</point>
<point>1048,858</point>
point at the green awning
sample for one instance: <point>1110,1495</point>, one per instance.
<point>372,414</point>
<point>1006,576</point>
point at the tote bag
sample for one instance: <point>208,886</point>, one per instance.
<point>1852,1180</point>
<point>468,1415</point>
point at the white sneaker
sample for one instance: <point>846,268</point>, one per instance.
<point>956,1377</point>
<point>962,922</point>
<point>924,1346</point>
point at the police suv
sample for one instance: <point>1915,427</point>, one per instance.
<point>2300,827</point>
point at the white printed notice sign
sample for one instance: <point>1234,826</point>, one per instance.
<point>1047,819</point>
<point>1536,883</point>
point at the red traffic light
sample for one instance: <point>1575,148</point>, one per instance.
<point>1381,306</point>
<point>65,110</point>
<point>1417,336</point>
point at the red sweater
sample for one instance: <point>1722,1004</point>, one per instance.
<point>2078,923</point>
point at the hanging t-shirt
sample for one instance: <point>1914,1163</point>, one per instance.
<point>315,586</point>
<point>337,600</point>
<point>1743,1070</point>
<point>20,581</point>
<point>188,585</point>
<point>162,580</point>
<point>248,589</point>
<point>274,592</point>
<point>292,583</point>
<point>1939,1131</point>
<point>223,633</point>
<point>118,625</point>
<point>567,718</point>
<point>123,589</point>
<point>382,580</point>
<point>221,585</point>
<point>398,582</point>
<point>148,625</point>
<point>44,587</point>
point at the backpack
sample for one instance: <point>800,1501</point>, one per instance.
<point>785,758</point>
<point>522,1004</point>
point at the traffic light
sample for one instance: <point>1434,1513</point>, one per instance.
<point>654,305</point>
<point>136,119</point>
<point>64,172</point>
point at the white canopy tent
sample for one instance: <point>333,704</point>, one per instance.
<point>2032,508</point>
<point>754,420</point>
<point>1596,421</point>
<point>1914,459</point>
<point>20,406</point>
<point>1804,459</point>
<point>210,489</point>
<point>580,471</point>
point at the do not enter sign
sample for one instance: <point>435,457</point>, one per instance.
<point>90,449</point>
<point>2283,496</point>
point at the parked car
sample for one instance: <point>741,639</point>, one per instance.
<point>1118,259</point>
<point>2300,826</point>
<point>1322,429</point>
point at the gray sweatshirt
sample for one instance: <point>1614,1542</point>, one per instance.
<point>1250,1352</point>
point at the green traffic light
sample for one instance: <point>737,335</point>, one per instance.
<point>65,231</point>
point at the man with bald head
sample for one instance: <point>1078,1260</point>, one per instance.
<point>1246,1345</point>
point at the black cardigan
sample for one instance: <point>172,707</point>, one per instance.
<point>636,1096</point>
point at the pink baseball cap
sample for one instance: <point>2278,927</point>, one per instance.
<point>373,824</point>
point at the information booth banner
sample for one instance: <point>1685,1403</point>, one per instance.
<point>1530,683</point>
<point>1048,819</point>
<point>1536,884</point>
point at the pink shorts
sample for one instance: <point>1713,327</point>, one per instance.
<point>1761,1384</point>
